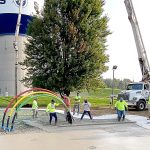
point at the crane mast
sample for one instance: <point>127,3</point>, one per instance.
<point>15,44</point>
<point>142,56</point>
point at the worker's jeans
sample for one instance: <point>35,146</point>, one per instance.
<point>149,108</point>
<point>88,112</point>
<point>121,113</point>
<point>35,113</point>
<point>51,116</point>
<point>76,106</point>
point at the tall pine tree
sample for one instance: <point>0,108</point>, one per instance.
<point>68,44</point>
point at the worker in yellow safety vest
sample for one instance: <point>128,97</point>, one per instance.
<point>52,111</point>
<point>77,100</point>
<point>35,108</point>
<point>121,106</point>
<point>149,108</point>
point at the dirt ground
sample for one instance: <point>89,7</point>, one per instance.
<point>107,110</point>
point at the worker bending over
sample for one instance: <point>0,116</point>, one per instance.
<point>121,106</point>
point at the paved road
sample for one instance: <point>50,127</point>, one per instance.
<point>109,137</point>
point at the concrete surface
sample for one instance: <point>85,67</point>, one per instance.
<point>74,140</point>
<point>102,133</point>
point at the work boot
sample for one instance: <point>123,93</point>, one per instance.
<point>73,112</point>
<point>123,118</point>
<point>148,118</point>
<point>119,118</point>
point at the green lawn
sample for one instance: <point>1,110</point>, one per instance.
<point>97,98</point>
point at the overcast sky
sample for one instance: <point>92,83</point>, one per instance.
<point>121,44</point>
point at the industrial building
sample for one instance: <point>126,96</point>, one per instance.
<point>9,10</point>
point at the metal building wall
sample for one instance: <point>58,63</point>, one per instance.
<point>9,10</point>
<point>7,65</point>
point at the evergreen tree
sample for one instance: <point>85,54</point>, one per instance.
<point>68,44</point>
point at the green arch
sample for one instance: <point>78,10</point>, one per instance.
<point>35,93</point>
<point>28,99</point>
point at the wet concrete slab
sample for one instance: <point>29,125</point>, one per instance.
<point>43,124</point>
<point>24,122</point>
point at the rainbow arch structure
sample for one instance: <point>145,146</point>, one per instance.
<point>20,100</point>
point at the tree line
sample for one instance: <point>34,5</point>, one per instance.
<point>118,84</point>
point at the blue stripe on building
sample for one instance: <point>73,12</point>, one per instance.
<point>8,23</point>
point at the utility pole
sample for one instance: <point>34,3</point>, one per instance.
<point>114,68</point>
<point>15,44</point>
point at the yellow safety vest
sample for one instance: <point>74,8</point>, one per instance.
<point>121,105</point>
<point>34,105</point>
<point>149,101</point>
<point>51,107</point>
<point>77,99</point>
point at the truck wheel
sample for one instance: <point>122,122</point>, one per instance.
<point>141,105</point>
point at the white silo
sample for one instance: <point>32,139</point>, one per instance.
<point>8,19</point>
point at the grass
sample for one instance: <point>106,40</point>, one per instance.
<point>4,101</point>
<point>98,98</point>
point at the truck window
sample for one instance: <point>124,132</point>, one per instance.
<point>135,87</point>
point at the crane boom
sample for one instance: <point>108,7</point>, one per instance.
<point>142,56</point>
<point>15,44</point>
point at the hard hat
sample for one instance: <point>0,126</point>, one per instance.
<point>121,98</point>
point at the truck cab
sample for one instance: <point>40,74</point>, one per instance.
<point>136,95</point>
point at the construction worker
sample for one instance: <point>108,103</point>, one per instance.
<point>66,100</point>
<point>35,108</point>
<point>149,108</point>
<point>121,106</point>
<point>77,100</point>
<point>86,109</point>
<point>52,111</point>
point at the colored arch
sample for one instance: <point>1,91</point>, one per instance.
<point>28,99</point>
<point>19,107</point>
<point>33,93</point>
<point>19,95</point>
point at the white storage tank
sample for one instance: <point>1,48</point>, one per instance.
<point>8,18</point>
